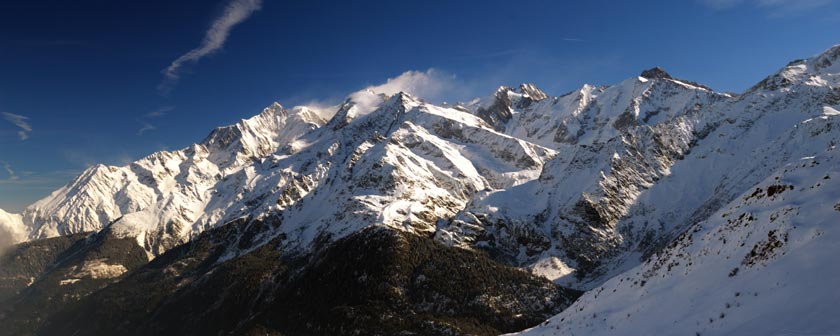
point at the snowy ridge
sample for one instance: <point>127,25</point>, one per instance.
<point>591,114</point>
<point>613,143</point>
<point>393,161</point>
<point>405,165</point>
<point>170,195</point>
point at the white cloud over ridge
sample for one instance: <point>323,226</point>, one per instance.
<point>21,122</point>
<point>430,85</point>
<point>236,12</point>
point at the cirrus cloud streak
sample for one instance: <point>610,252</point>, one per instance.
<point>21,122</point>
<point>236,12</point>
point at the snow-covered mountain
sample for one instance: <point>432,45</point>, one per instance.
<point>392,161</point>
<point>595,189</point>
<point>166,197</point>
<point>613,144</point>
<point>756,254</point>
<point>600,205</point>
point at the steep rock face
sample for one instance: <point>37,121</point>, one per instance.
<point>499,109</point>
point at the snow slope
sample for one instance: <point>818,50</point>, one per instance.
<point>756,256</point>
<point>762,265</point>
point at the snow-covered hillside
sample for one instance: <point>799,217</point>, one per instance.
<point>752,213</point>
<point>762,265</point>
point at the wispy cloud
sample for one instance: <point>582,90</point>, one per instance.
<point>236,12</point>
<point>36,182</point>
<point>164,110</point>
<point>773,7</point>
<point>83,159</point>
<point>146,127</point>
<point>21,122</point>
<point>8,168</point>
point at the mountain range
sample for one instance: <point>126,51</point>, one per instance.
<point>656,205</point>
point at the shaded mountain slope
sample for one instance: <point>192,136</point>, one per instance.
<point>378,281</point>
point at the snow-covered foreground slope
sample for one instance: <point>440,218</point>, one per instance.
<point>765,264</point>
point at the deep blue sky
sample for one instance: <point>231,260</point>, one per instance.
<point>86,73</point>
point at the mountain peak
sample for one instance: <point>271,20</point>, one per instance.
<point>532,91</point>
<point>819,70</point>
<point>828,58</point>
<point>656,73</point>
<point>402,97</point>
<point>275,109</point>
<point>660,73</point>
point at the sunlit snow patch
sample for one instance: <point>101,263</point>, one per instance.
<point>830,111</point>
